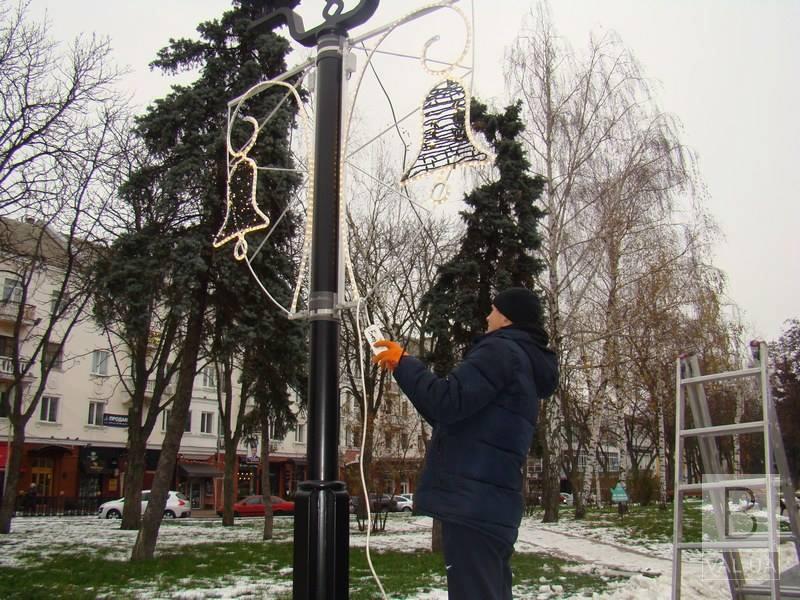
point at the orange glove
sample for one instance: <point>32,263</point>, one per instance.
<point>389,358</point>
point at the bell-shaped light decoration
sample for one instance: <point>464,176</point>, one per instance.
<point>446,136</point>
<point>242,213</point>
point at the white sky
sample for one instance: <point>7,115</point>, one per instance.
<point>728,69</point>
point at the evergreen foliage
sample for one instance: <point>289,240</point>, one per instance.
<point>186,131</point>
<point>498,246</point>
<point>785,355</point>
<point>175,200</point>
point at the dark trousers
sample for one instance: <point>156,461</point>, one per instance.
<point>478,566</point>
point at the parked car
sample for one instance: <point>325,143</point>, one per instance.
<point>253,506</point>
<point>565,498</point>
<point>377,503</point>
<point>177,505</point>
<point>405,502</point>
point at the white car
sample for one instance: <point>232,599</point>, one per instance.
<point>405,502</point>
<point>178,505</point>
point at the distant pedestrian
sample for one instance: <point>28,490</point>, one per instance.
<point>31,498</point>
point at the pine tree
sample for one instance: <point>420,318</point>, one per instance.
<point>499,246</point>
<point>183,191</point>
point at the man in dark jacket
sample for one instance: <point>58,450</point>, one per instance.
<point>483,416</point>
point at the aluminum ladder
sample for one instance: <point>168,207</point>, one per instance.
<point>690,390</point>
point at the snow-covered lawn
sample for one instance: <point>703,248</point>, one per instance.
<point>645,566</point>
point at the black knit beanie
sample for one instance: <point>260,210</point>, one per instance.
<point>519,305</point>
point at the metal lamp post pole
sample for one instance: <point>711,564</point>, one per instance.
<point>322,511</point>
<point>322,517</point>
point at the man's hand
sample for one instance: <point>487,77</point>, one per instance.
<point>389,358</point>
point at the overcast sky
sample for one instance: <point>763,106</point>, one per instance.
<point>728,69</point>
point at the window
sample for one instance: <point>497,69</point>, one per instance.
<point>389,440</point>
<point>207,422</point>
<point>4,397</point>
<point>582,461</point>
<point>100,362</point>
<point>165,420</point>
<point>348,436</point>
<point>12,290</point>
<point>273,432</point>
<point>58,301</point>
<point>613,462</point>
<point>48,411</point>
<point>96,410</point>
<point>208,377</point>
<point>6,346</point>
<point>53,353</point>
<point>404,441</point>
<point>300,433</point>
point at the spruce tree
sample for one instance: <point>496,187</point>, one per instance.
<point>499,245</point>
<point>185,192</point>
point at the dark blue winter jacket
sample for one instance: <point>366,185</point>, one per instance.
<point>483,416</point>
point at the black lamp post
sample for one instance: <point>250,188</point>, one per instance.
<point>322,516</point>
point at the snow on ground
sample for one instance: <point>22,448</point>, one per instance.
<point>602,551</point>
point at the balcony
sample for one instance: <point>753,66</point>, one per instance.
<point>149,389</point>
<point>7,370</point>
<point>9,312</point>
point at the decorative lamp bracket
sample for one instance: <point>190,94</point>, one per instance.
<point>335,21</point>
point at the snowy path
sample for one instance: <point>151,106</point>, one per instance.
<point>581,549</point>
<point>651,575</point>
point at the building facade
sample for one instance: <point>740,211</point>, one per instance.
<point>75,446</point>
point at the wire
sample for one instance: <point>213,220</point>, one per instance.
<point>263,289</point>
<point>363,446</point>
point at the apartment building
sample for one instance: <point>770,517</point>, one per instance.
<point>75,443</point>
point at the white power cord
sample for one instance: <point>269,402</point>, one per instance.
<point>363,445</point>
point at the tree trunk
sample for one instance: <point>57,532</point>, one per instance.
<point>145,545</point>
<point>436,537</point>
<point>227,482</point>
<point>662,454</point>
<point>551,461</point>
<point>134,478</point>
<point>266,487</point>
<point>16,450</point>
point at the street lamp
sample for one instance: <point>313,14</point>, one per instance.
<point>322,517</point>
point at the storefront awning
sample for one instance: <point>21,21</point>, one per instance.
<point>200,470</point>
<point>50,449</point>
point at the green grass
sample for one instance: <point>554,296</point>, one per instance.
<point>78,575</point>
<point>642,523</point>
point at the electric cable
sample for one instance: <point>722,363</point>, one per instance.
<point>363,446</point>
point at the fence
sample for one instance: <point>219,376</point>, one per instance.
<point>59,506</point>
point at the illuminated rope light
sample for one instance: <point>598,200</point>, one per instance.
<point>243,215</point>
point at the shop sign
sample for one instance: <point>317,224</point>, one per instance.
<point>112,420</point>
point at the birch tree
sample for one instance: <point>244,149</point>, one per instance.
<point>614,165</point>
<point>60,134</point>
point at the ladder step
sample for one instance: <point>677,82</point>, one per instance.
<point>730,545</point>
<point>734,428</point>
<point>765,590</point>
<point>785,536</point>
<point>721,376</point>
<point>724,483</point>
